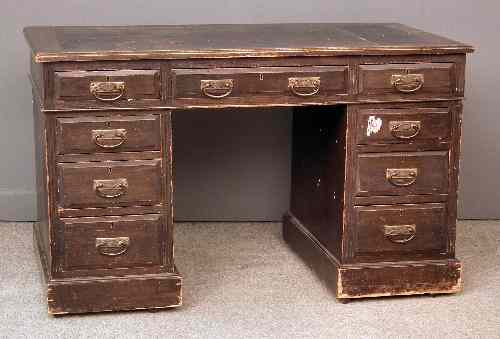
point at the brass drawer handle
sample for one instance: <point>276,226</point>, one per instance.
<point>304,87</point>
<point>400,233</point>
<point>107,90</point>
<point>111,188</point>
<point>407,83</point>
<point>405,129</point>
<point>401,177</point>
<point>217,89</point>
<point>112,246</point>
<point>109,138</point>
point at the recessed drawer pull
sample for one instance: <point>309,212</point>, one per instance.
<point>400,233</point>
<point>217,89</point>
<point>405,129</point>
<point>107,90</point>
<point>109,138</point>
<point>401,177</point>
<point>111,188</point>
<point>407,83</point>
<point>304,87</point>
<point>112,246</point>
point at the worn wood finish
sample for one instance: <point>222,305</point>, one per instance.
<point>422,277</point>
<point>376,144</point>
<point>400,232</point>
<point>348,281</point>
<point>104,85</point>
<point>122,156</point>
<point>436,79</point>
<point>139,292</point>
<point>260,83</point>
<point>110,183</point>
<point>51,44</point>
<point>318,160</point>
<point>410,173</point>
<point>90,245</point>
<point>104,134</point>
<point>255,82</point>
<point>405,126</point>
<point>138,85</point>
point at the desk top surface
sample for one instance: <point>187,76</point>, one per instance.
<point>72,43</point>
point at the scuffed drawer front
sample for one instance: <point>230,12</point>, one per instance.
<point>400,232</point>
<point>108,134</point>
<point>110,183</point>
<point>407,81</point>
<point>112,242</point>
<point>107,87</point>
<point>403,126</point>
<point>385,174</point>
<point>280,85</point>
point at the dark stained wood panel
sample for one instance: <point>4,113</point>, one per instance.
<point>381,174</point>
<point>82,249</point>
<point>258,84</point>
<point>102,134</point>
<point>400,232</point>
<point>110,183</point>
<point>318,178</point>
<point>74,85</point>
<point>51,43</point>
<point>404,126</point>
<point>437,80</point>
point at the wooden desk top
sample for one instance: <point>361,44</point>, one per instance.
<point>51,44</point>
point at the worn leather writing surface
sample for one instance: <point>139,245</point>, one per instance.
<point>175,42</point>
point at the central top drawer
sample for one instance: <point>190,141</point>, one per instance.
<point>269,85</point>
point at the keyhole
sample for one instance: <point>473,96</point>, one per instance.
<point>109,170</point>
<point>318,182</point>
<point>108,124</point>
<point>261,76</point>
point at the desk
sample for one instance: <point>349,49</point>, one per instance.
<point>376,139</point>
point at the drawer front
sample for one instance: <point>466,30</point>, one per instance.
<point>107,87</point>
<point>249,85</point>
<point>112,242</point>
<point>403,126</point>
<point>110,183</point>
<point>408,81</point>
<point>400,231</point>
<point>108,134</point>
<point>386,174</point>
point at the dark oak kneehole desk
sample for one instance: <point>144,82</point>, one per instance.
<point>376,137</point>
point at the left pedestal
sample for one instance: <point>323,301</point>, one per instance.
<point>104,234</point>
<point>101,294</point>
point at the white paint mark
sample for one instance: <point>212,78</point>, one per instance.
<point>374,125</point>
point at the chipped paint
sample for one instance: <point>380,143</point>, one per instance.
<point>373,126</point>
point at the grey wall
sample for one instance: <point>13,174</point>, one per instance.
<point>243,172</point>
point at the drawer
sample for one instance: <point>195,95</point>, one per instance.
<point>112,242</point>
<point>249,85</point>
<point>385,174</point>
<point>407,81</point>
<point>107,86</point>
<point>110,183</point>
<point>108,134</point>
<point>403,126</point>
<point>400,232</point>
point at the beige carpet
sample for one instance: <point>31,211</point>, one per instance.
<point>242,281</point>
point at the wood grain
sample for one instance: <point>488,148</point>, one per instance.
<point>51,43</point>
